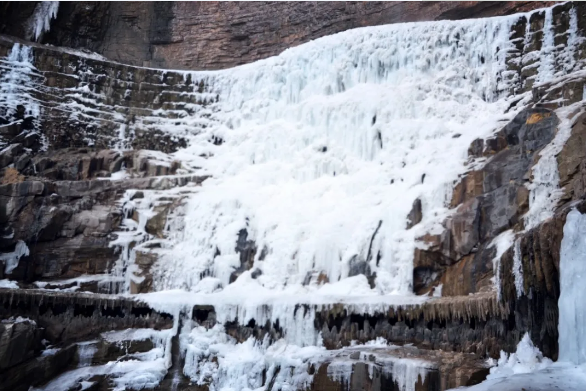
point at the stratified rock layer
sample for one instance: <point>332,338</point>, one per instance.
<point>216,35</point>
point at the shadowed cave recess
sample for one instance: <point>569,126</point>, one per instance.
<point>292,196</point>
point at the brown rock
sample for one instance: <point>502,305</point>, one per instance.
<point>191,35</point>
<point>572,162</point>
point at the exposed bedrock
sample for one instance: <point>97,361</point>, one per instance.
<point>189,35</point>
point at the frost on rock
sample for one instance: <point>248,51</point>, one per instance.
<point>138,371</point>
<point>40,20</point>
<point>572,319</point>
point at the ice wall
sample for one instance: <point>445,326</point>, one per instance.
<point>325,147</point>
<point>572,320</point>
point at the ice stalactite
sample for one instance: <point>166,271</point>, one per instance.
<point>518,268</point>
<point>40,21</point>
<point>572,320</point>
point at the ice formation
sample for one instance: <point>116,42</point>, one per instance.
<point>85,352</point>
<point>572,340</point>
<point>317,157</point>
<point>518,268</point>
<point>40,21</point>
<point>325,148</point>
<point>11,259</point>
<point>17,85</point>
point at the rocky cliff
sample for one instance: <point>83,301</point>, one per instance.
<point>93,190</point>
<point>216,35</point>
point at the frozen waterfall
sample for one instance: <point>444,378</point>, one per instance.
<point>323,151</point>
<point>572,319</point>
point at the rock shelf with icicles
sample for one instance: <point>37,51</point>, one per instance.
<point>315,159</point>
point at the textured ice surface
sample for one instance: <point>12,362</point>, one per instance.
<point>40,20</point>
<point>572,320</point>
<point>326,147</point>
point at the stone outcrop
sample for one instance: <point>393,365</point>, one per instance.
<point>489,201</point>
<point>214,35</point>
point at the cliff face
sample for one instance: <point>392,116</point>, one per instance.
<point>217,35</point>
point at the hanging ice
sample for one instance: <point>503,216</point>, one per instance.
<point>572,321</point>
<point>40,21</point>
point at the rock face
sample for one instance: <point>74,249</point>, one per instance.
<point>215,35</point>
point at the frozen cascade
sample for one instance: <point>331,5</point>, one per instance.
<point>85,352</point>
<point>17,85</point>
<point>325,148</point>
<point>322,152</point>
<point>572,334</point>
<point>40,20</point>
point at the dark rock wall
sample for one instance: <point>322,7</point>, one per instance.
<point>215,35</point>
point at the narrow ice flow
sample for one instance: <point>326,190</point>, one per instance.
<point>518,268</point>
<point>40,20</point>
<point>17,85</point>
<point>572,320</point>
<point>544,190</point>
<point>85,353</point>
<point>324,149</point>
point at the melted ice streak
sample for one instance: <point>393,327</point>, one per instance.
<point>572,339</point>
<point>40,21</point>
<point>325,141</point>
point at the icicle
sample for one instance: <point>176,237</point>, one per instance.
<point>572,320</point>
<point>518,268</point>
<point>40,21</point>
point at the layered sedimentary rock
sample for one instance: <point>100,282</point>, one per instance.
<point>216,35</point>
